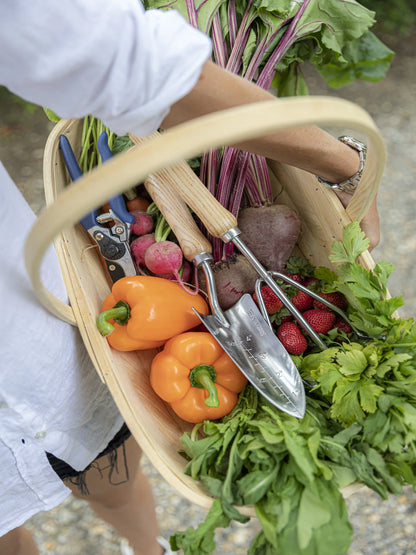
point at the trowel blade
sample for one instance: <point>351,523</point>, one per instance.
<point>259,354</point>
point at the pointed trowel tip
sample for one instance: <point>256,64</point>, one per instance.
<point>298,411</point>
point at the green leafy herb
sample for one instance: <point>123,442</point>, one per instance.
<point>359,426</point>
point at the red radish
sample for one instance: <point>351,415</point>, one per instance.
<point>164,257</point>
<point>140,245</point>
<point>143,223</point>
<point>270,232</point>
<point>186,273</point>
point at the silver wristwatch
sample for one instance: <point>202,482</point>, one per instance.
<point>350,184</point>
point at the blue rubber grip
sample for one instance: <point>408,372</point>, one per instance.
<point>75,172</point>
<point>69,158</point>
<point>117,203</point>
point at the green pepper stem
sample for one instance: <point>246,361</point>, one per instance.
<point>120,313</point>
<point>204,376</point>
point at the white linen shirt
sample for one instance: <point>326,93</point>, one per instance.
<point>127,67</point>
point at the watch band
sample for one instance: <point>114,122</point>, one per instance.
<point>352,182</point>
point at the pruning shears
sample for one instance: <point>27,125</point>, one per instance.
<point>110,230</point>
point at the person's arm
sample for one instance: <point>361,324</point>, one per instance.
<point>125,66</point>
<point>309,148</point>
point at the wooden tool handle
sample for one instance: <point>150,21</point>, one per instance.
<point>177,214</point>
<point>181,179</point>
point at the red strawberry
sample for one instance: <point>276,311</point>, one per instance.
<point>292,339</point>
<point>302,301</point>
<point>287,318</point>
<point>295,277</point>
<point>342,325</point>
<point>321,321</point>
<point>309,280</point>
<point>335,298</point>
<point>271,300</point>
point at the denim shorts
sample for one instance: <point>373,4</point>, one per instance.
<point>77,477</point>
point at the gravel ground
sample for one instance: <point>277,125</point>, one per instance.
<point>380,528</point>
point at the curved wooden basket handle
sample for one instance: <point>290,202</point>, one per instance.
<point>186,141</point>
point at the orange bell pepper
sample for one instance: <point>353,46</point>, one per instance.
<point>196,377</point>
<point>143,312</point>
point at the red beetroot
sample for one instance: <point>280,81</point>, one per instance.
<point>270,232</point>
<point>139,246</point>
<point>321,321</point>
<point>335,298</point>
<point>232,280</point>
<point>271,300</point>
<point>143,222</point>
<point>292,338</point>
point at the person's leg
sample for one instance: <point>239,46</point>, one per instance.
<point>121,495</point>
<point>18,542</point>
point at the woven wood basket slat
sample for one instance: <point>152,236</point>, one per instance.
<point>154,425</point>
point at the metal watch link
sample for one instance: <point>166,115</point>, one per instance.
<point>350,184</point>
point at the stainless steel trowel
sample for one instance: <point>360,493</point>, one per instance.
<point>241,330</point>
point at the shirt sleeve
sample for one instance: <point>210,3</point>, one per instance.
<point>110,59</point>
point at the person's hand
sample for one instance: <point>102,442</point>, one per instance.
<point>370,224</point>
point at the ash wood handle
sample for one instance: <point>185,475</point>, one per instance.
<point>181,179</point>
<point>177,214</point>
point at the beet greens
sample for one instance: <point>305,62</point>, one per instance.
<point>267,41</point>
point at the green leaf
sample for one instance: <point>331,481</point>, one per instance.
<point>325,274</point>
<point>365,474</point>
<point>365,58</point>
<point>254,485</point>
<point>121,143</point>
<point>391,362</point>
<point>369,393</point>
<point>352,362</point>
<point>346,406</point>
<point>327,377</point>
<point>377,461</point>
<point>201,541</point>
<point>290,82</point>
<point>268,524</point>
<point>354,242</point>
<point>344,437</point>
<point>313,513</point>
<point>383,270</point>
<point>343,476</point>
<point>51,115</point>
<point>233,514</point>
<point>313,443</point>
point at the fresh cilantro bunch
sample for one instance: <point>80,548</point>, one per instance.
<point>353,376</point>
